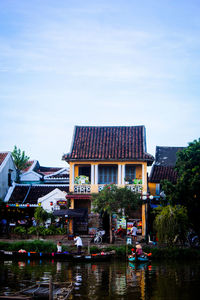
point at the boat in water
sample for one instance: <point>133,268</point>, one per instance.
<point>59,256</point>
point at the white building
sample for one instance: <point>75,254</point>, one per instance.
<point>7,172</point>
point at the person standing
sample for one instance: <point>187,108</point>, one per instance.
<point>78,243</point>
<point>134,232</point>
<point>59,247</point>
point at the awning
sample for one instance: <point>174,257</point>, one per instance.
<point>69,213</point>
<point>79,196</point>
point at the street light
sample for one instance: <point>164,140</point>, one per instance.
<point>147,198</point>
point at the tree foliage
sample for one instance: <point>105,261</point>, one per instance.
<point>41,215</point>
<point>115,200</point>
<point>171,221</point>
<point>20,160</point>
<point>187,189</point>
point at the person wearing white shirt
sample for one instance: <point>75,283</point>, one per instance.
<point>134,232</point>
<point>78,243</point>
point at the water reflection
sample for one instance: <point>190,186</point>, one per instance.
<point>116,280</point>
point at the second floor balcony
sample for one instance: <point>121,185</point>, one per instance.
<point>91,179</point>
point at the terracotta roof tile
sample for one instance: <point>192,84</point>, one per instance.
<point>28,166</point>
<point>163,172</point>
<point>114,143</point>
<point>3,156</point>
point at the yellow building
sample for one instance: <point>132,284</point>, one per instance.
<point>103,155</point>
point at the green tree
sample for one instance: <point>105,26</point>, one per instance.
<point>169,222</point>
<point>115,200</point>
<point>20,160</point>
<point>187,189</point>
<point>41,216</point>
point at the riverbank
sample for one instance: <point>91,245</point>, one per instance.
<point>121,249</point>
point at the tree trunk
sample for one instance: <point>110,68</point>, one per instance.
<point>110,223</point>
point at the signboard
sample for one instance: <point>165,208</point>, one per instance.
<point>129,240</point>
<point>129,226</point>
<point>121,222</point>
<point>61,202</point>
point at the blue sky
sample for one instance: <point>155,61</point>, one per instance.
<point>111,62</point>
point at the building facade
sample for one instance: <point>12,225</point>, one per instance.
<point>103,155</point>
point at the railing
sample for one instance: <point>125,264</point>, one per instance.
<point>86,188</point>
<point>135,187</point>
<point>82,188</point>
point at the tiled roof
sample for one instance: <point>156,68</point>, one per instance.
<point>159,173</point>
<point>47,170</point>
<point>3,156</point>
<point>28,166</point>
<point>165,162</point>
<point>166,156</point>
<point>109,143</point>
<point>31,193</point>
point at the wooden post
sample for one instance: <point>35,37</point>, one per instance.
<point>50,288</point>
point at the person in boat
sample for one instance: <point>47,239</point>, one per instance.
<point>59,247</point>
<point>139,251</point>
<point>78,243</point>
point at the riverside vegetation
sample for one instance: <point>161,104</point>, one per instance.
<point>121,251</point>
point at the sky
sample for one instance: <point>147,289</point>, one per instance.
<point>97,63</point>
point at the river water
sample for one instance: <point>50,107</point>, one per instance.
<point>114,280</point>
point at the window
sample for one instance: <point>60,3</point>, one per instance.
<point>130,172</point>
<point>85,171</point>
<point>107,174</point>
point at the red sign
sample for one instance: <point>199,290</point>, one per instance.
<point>61,202</point>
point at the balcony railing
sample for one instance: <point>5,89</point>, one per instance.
<point>135,187</point>
<point>86,188</point>
<point>82,188</point>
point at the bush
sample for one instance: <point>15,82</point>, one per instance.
<point>20,230</point>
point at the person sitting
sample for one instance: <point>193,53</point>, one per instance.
<point>139,251</point>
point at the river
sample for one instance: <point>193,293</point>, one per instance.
<point>114,280</point>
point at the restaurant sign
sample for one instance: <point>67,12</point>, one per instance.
<point>62,202</point>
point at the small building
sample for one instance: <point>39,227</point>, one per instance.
<point>22,199</point>
<point>163,168</point>
<point>7,173</point>
<point>34,173</point>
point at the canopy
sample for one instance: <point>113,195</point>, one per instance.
<point>69,213</point>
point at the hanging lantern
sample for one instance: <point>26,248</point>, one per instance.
<point>7,205</point>
<point>27,205</point>
<point>39,204</point>
<point>17,205</point>
<point>51,203</point>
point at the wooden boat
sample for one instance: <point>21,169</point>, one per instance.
<point>43,290</point>
<point>93,257</point>
<point>65,256</point>
<point>139,259</point>
<point>14,255</point>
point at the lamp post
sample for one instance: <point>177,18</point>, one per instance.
<point>147,198</point>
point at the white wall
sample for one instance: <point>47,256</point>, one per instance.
<point>53,196</point>
<point>4,170</point>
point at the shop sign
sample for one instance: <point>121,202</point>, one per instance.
<point>61,202</point>
<point>121,222</point>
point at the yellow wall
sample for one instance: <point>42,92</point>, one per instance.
<point>152,188</point>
